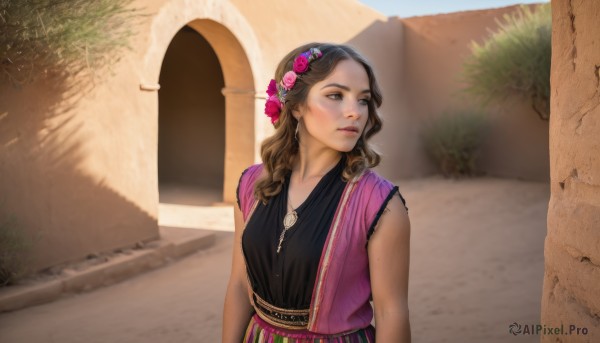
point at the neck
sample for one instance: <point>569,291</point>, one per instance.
<point>312,163</point>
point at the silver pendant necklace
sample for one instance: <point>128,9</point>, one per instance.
<point>288,221</point>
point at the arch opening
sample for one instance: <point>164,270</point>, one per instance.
<point>191,130</point>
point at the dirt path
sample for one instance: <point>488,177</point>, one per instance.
<point>477,259</point>
<point>476,267</point>
<point>178,303</point>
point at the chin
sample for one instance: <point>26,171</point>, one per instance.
<point>345,147</point>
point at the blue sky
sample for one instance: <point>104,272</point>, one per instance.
<point>409,8</point>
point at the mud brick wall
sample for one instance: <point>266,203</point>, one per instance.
<point>571,293</point>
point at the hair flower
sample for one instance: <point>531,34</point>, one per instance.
<point>272,89</point>
<point>288,80</point>
<point>301,64</point>
<point>273,108</point>
<point>277,92</point>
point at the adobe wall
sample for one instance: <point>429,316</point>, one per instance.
<point>571,295</point>
<point>434,49</point>
<point>72,190</point>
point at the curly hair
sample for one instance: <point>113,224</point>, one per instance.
<point>279,151</point>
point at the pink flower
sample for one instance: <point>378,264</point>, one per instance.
<point>288,80</point>
<point>272,89</point>
<point>301,64</point>
<point>273,108</point>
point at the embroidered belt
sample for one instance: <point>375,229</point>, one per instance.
<point>281,317</point>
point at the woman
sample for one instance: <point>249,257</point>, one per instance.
<point>317,233</point>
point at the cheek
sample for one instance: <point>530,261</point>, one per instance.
<point>323,111</point>
<point>364,119</point>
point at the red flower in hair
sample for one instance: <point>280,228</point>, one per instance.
<point>272,89</point>
<point>301,64</point>
<point>273,108</point>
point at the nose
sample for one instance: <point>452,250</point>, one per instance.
<point>353,109</point>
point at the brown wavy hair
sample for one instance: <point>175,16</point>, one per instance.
<point>279,151</point>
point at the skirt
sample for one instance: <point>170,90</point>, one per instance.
<point>259,331</point>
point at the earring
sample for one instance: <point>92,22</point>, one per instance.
<point>296,133</point>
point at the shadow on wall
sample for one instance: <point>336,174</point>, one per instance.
<point>65,213</point>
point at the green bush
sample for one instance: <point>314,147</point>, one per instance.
<point>60,36</point>
<point>515,60</point>
<point>14,246</point>
<point>453,141</point>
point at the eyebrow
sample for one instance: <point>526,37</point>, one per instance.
<point>346,88</point>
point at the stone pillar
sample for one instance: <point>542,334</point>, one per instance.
<point>571,295</point>
<point>239,137</point>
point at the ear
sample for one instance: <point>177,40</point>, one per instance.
<point>296,113</point>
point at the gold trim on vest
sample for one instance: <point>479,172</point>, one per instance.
<point>281,317</point>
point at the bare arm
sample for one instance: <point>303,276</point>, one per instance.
<point>237,309</point>
<point>389,252</point>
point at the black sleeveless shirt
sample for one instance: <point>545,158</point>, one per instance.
<point>287,279</point>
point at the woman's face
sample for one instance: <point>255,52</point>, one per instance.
<point>336,109</point>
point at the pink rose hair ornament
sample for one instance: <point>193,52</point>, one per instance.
<point>276,91</point>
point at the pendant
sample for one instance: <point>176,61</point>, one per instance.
<point>290,219</point>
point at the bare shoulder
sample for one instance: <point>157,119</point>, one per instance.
<point>389,258</point>
<point>394,224</point>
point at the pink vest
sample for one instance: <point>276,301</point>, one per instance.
<point>340,298</point>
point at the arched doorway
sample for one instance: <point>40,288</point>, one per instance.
<point>233,41</point>
<point>191,130</point>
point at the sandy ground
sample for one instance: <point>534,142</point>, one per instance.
<point>476,267</point>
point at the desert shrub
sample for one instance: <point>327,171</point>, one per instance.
<point>60,36</point>
<point>515,60</point>
<point>453,141</point>
<point>14,246</point>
